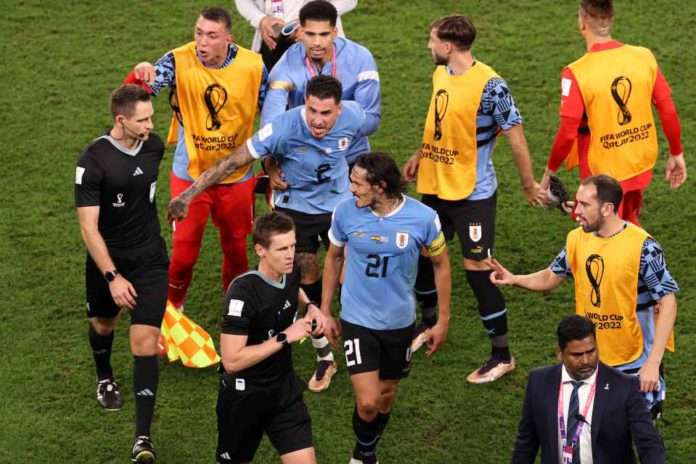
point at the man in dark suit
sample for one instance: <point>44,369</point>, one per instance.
<point>582,408</point>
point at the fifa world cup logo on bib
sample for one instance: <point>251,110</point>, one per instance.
<point>594,266</point>
<point>441,101</point>
<point>621,91</point>
<point>215,98</point>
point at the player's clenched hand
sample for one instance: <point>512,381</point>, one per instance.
<point>298,330</point>
<point>675,172</point>
<point>436,337</point>
<point>276,177</point>
<point>411,167</point>
<point>332,331</point>
<point>177,210</point>
<point>500,275</point>
<point>145,72</point>
<point>649,377</point>
<point>123,292</point>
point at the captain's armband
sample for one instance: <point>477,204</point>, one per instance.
<point>437,246</point>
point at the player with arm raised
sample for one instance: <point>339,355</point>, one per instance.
<point>386,232</point>
<point>216,88</point>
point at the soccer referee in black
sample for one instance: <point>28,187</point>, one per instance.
<point>259,390</point>
<point>115,183</point>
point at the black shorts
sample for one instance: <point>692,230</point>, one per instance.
<point>310,229</point>
<point>472,220</point>
<point>245,411</point>
<point>146,268</point>
<point>386,351</point>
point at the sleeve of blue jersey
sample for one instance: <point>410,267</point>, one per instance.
<point>276,100</point>
<point>559,265</point>
<point>654,272</point>
<point>368,93</point>
<point>165,73</point>
<point>266,140</point>
<point>499,103</point>
<point>336,234</point>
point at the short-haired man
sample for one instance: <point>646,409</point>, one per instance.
<point>607,124</point>
<point>275,22</point>
<point>582,410</point>
<point>621,279</point>
<point>259,390</point>
<point>454,171</point>
<point>321,53</point>
<point>216,88</point>
<point>115,184</point>
<point>386,232</point>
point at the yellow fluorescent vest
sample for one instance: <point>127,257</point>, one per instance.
<point>605,271</point>
<point>617,87</point>
<point>217,107</point>
<point>448,153</point>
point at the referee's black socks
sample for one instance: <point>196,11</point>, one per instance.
<point>145,380</point>
<point>367,434</point>
<point>101,350</point>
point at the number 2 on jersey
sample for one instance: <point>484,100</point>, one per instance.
<point>373,266</point>
<point>352,347</point>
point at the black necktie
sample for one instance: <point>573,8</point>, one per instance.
<point>572,423</point>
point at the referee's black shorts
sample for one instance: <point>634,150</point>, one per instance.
<point>146,269</point>
<point>472,220</point>
<point>245,411</point>
<point>310,229</point>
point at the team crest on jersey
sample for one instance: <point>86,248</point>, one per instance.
<point>402,239</point>
<point>475,231</point>
<point>343,143</point>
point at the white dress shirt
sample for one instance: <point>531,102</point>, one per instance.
<point>586,434</point>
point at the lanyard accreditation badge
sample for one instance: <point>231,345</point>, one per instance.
<point>313,70</point>
<point>567,446</point>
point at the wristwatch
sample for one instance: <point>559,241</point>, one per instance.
<point>282,338</point>
<point>109,276</point>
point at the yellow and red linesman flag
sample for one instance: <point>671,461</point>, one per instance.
<point>185,340</point>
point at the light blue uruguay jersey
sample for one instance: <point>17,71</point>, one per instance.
<point>382,260</point>
<point>315,169</point>
<point>355,68</point>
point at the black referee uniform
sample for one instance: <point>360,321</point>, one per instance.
<point>122,183</point>
<point>268,395</point>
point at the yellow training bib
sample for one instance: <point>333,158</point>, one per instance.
<point>617,86</point>
<point>606,289</point>
<point>449,151</point>
<point>217,106</point>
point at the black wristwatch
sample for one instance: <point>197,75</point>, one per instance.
<point>109,276</point>
<point>282,338</point>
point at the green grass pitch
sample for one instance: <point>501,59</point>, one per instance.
<point>59,62</point>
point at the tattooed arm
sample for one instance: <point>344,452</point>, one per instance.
<point>178,207</point>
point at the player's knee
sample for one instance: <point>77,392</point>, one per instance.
<point>387,399</point>
<point>184,254</point>
<point>488,295</point>
<point>103,326</point>
<point>143,339</point>
<point>368,406</point>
